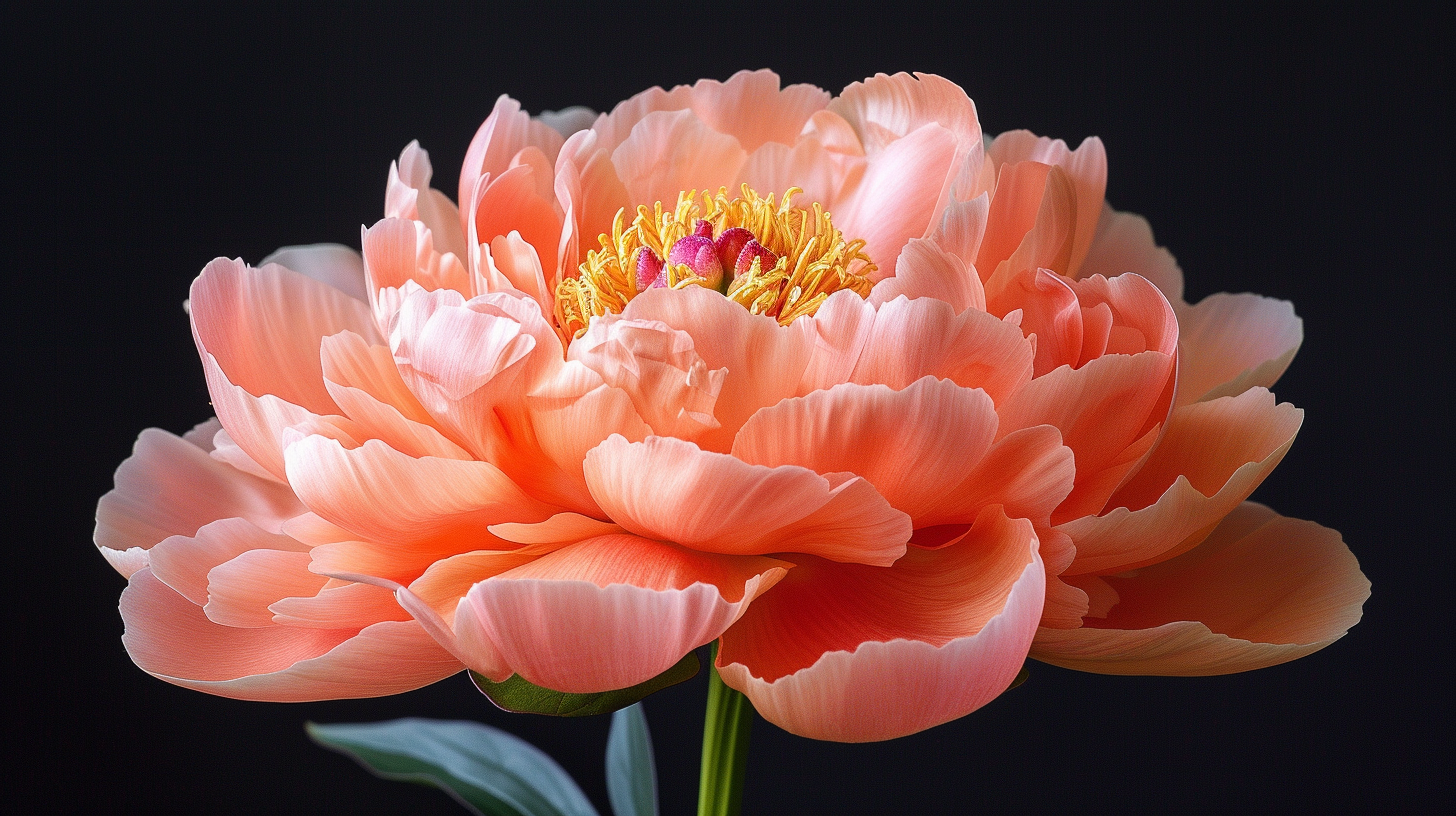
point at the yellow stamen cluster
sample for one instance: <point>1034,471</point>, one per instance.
<point>814,259</point>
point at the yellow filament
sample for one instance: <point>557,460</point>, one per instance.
<point>814,259</point>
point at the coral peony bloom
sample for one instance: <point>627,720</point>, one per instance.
<point>881,406</point>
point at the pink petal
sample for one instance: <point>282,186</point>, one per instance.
<point>915,445</point>
<point>841,328</point>
<point>764,361</point>
<point>1211,457</point>
<point>883,108</point>
<point>240,591</point>
<point>568,416</point>
<point>1141,318</point>
<point>339,607</point>
<point>590,193</point>
<point>670,152</point>
<point>656,365</point>
<point>1124,243</point>
<point>1086,167</point>
<point>613,611</point>
<point>1107,412</point>
<point>822,174</point>
<point>263,327</point>
<point>398,252</point>
<point>926,270</point>
<point>1046,245</point>
<point>669,489</point>
<point>925,337</point>
<point>409,196</point>
<point>512,258</point>
<point>365,384</point>
<point>507,131</point>
<point>855,654</point>
<point>901,195</point>
<point>171,639</point>
<point>513,202</point>
<point>961,230</point>
<point>183,562</point>
<point>384,495</point>
<point>1260,590</point>
<point>334,264</point>
<point>170,487</point>
<point>1235,342</point>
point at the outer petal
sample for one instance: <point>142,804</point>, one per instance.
<point>669,489</point>
<point>1124,243</point>
<point>856,654</point>
<point>612,611</point>
<point>335,264</point>
<point>170,638</point>
<point>1108,412</point>
<point>1211,457</point>
<point>171,487</point>
<point>1260,590</point>
<point>384,495</point>
<point>1231,343</point>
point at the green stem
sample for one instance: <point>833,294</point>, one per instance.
<point>725,747</point>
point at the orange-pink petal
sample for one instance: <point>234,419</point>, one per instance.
<point>1231,343</point>
<point>1260,590</point>
<point>670,489</point>
<point>855,653</point>
<point>170,638</point>
<point>612,611</point>
<point>170,487</point>
<point>1211,457</point>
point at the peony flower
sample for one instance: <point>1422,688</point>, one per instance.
<point>880,405</point>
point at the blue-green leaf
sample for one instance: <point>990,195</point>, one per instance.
<point>517,694</point>
<point>631,773</point>
<point>483,768</point>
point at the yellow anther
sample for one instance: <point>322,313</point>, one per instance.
<point>814,259</point>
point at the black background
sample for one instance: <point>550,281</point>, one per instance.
<point>1303,157</point>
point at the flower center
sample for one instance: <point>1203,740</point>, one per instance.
<point>773,259</point>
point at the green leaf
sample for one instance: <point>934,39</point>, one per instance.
<point>483,768</point>
<point>1020,677</point>
<point>631,774</point>
<point>523,697</point>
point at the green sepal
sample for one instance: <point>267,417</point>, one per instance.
<point>1020,677</point>
<point>524,697</point>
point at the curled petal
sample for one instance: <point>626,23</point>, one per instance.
<point>656,365</point>
<point>669,152</point>
<point>855,654</point>
<point>925,337</point>
<point>612,611</point>
<point>1086,167</point>
<point>1124,243</point>
<point>171,487</point>
<point>1211,457</point>
<point>1232,343</point>
<point>504,134</point>
<point>926,270</point>
<point>901,195</point>
<point>1260,590</point>
<point>915,446</point>
<point>410,196</point>
<point>384,495</point>
<point>170,638</point>
<point>669,489</point>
